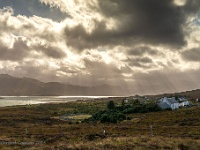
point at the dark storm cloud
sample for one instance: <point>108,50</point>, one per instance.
<point>191,6</point>
<point>139,51</point>
<point>16,53</point>
<point>158,22</point>
<point>21,50</point>
<point>50,51</point>
<point>143,62</point>
<point>33,7</point>
<point>154,21</point>
<point>192,55</point>
<point>80,39</point>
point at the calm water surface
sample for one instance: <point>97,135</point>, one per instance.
<point>27,100</point>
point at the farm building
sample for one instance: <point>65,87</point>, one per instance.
<point>168,103</point>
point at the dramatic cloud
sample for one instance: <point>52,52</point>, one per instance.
<point>140,62</point>
<point>22,35</point>
<point>155,22</point>
<point>140,51</point>
<point>50,51</point>
<point>16,52</point>
<point>144,46</point>
<point>192,55</point>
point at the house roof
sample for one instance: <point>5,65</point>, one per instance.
<point>172,100</point>
<point>182,99</point>
<point>163,105</point>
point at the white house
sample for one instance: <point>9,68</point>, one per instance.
<point>182,99</point>
<point>166,103</point>
<point>184,103</point>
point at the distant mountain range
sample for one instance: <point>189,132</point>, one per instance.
<point>12,86</point>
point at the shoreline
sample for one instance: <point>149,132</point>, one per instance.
<point>41,100</point>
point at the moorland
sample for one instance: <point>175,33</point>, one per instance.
<point>44,127</point>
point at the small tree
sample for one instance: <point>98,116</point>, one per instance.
<point>111,105</point>
<point>136,102</point>
<point>123,103</point>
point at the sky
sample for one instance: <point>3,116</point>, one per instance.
<point>144,46</point>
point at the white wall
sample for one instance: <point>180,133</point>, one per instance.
<point>174,106</point>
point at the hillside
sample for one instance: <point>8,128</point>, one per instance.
<point>12,86</point>
<point>190,95</point>
<point>194,94</point>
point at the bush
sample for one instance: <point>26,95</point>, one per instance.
<point>109,116</point>
<point>111,105</point>
<point>116,114</point>
<point>113,120</point>
<point>105,118</point>
<point>121,116</point>
<point>128,111</point>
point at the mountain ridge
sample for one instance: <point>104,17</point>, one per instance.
<point>14,86</point>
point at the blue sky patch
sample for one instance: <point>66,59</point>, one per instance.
<point>34,7</point>
<point>197,20</point>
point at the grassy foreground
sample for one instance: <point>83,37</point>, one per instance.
<point>40,127</point>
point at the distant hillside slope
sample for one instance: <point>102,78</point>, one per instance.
<point>194,94</point>
<point>191,95</point>
<point>12,86</point>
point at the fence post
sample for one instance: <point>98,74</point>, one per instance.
<point>104,131</point>
<point>151,130</point>
<point>26,131</point>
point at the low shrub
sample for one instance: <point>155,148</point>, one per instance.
<point>116,114</point>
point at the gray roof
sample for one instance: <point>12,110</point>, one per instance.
<point>163,105</point>
<point>172,100</point>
